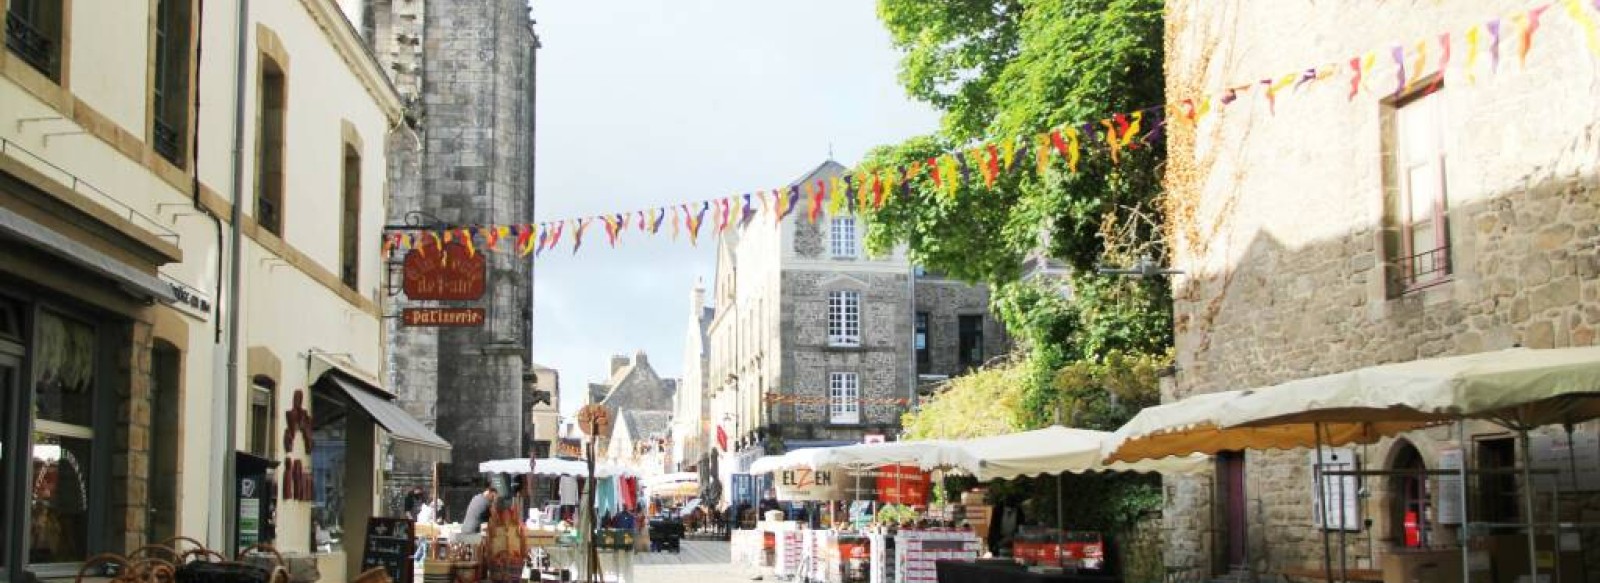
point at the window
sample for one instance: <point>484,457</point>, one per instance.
<point>971,329</point>
<point>844,398</point>
<point>64,439</point>
<point>921,341</point>
<point>269,147</point>
<point>350,227</point>
<point>34,34</point>
<point>263,413</point>
<point>844,318</point>
<point>1420,244</point>
<point>1497,487</point>
<point>330,425</point>
<point>170,90</point>
<point>843,236</point>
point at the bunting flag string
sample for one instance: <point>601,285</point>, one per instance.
<point>1425,61</point>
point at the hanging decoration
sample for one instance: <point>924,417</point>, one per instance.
<point>1112,138</point>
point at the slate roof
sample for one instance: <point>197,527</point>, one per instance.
<point>647,424</point>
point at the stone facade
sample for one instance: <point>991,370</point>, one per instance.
<point>771,357</point>
<point>1285,222</point>
<point>467,160</point>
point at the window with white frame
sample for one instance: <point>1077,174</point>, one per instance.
<point>844,318</point>
<point>843,237</point>
<point>844,397</point>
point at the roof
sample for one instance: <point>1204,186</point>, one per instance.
<point>827,169</point>
<point>646,424</point>
<point>634,387</point>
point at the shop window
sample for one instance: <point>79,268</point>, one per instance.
<point>331,418</point>
<point>263,415</point>
<point>63,439</point>
<point>971,341</point>
<point>165,361</point>
<point>34,33</point>
<point>924,362</point>
<point>843,237</point>
<point>844,398</point>
<point>170,89</point>
<point>270,145</point>
<point>844,318</point>
<point>1418,238</point>
<point>350,227</point>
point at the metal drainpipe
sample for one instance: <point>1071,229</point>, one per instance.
<point>911,293</point>
<point>236,252</point>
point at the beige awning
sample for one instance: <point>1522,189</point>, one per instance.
<point>1055,450</point>
<point>1194,425</point>
<point>1519,388</point>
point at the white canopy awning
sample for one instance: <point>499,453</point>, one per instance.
<point>1521,387</point>
<point>552,467</point>
<point>1051,450</point>
<point>1054,450</point>
<point>673,478</point>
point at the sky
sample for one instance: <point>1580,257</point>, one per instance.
<point>643,103</point>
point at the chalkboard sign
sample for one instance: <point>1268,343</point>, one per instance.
<point>389,545</point>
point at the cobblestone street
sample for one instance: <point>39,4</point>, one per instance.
<point>700,562</point>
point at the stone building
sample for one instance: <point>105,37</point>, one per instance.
<point>1323,233</point>
<point>634,389</point>
<point>466,69</point>
<point>639,442</point>
<point>813,342</point>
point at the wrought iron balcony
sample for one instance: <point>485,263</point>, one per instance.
<point>31,44</point>
<point>1424,269</point>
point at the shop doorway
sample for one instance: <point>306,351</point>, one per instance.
<point>1408,506</point>
<point>164,365</point>
<point>1233,511</point>
<point>10,370</point>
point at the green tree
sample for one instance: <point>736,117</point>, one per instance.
<point>997,70</point>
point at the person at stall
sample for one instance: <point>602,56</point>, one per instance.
<point>478,510</point>
<point>413,502</point>
<point>769,502</point>
<point>428,512</point>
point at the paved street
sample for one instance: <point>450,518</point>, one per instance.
<point>700,562</point>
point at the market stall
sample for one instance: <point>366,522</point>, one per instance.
<point>1519,389</point>
<point>553,539</point>
<point>903,537</point>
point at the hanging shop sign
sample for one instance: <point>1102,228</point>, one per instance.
<point>442,317</point>
<point>806,485</point>
<point>444,272</point>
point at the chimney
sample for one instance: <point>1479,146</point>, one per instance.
<point>639,359</point>
<point>617,362</point>
<point>697,298</point>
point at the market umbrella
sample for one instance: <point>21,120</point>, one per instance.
<point>1054,450</point>
<point>1518,388</point>
<point>1194,425</point>
<point>552,467</point>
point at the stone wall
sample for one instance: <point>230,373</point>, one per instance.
<point>946,301</point>
<point>1280,221</point>
<point>475,164</point>
<point>882,361</point>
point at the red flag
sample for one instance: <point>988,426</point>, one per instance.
<point>722,438</point>
<point>992,168</point>
<point>877,190</point>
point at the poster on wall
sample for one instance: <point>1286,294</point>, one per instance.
<point>1341,492</point>
<point>1449,499</point>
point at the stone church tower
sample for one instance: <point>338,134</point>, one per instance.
<point>467,71</point>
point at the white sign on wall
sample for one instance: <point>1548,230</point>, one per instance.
<point>805,484</point>
<point>1449,499</point>
<point>1343,493</point>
